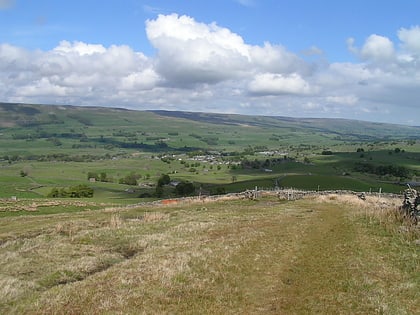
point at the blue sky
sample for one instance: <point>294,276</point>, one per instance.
<point>348,59</point>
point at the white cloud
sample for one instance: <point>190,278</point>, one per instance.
<point>378,48</point>
<point>144,80</point>
<point>43,87</point>
<point>410,39</point>
<point>73,71</point>
<point>246,3</point>
<point>343,99</point>
<point>191,52</point>
<point>275,58</point>
<point>277,84</point>
<point>207,67</point>
<point>313,51</point>
<point>79,48</point>
<point>350,45</point>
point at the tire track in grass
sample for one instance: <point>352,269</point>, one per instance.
<point>304,263</point>
<point>320,281</point>
<point>338,266</point>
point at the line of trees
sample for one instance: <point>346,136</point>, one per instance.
<point>182,188</point>
<point>394,170</point>
<point>79,191</point>
<point>257,164</point>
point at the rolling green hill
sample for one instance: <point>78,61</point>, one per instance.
<point>32,129</point>
<point>48,146</point>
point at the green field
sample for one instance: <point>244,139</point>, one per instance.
<point>45,147</point>
<point>134,245</point>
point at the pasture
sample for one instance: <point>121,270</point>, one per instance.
<point>47,147</point>
<point>123,251</point>
<point>330,254</point>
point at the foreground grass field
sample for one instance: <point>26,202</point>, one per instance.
<point>326,255</point>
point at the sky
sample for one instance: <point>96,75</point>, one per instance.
<point>356,59</point>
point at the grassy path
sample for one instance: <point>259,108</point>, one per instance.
<point>236,257</point>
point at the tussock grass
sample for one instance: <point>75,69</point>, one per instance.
<point>316,255</point>
<point>379,210</point>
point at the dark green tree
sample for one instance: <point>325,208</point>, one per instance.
<point>184,189</point>
<point>164,179</point>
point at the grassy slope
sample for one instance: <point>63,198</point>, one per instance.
<point>29,130</point>
<point>327,256</point>
<point>234,132</point>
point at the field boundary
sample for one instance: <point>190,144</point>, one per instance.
<point>282,194</point>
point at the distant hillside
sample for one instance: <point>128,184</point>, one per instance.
<point>341,127</point>
<point>31,129</point>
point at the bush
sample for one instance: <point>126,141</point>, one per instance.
<point>79,191</point>
<point>220,191</point>
<point>163,180</point>
<point>130,179</point>
<point>381,170</point>
<point>184,189</point>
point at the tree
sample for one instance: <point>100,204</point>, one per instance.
<point>164,179</point>
<point>159,191</point>
<point>184,188</point>
<point>103,177</point>
<point>130,179</point>
<point>55,193</point>
<point>220,191</point>
<point>79,191</point>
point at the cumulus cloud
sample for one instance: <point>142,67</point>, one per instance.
<point>79,48</point>
<point>410,39</point>
<point>276,59</point>
<point>343,99</point>
<point>190,52</point>
<point>73,71</point>
<point>277,84</point>
<point>207,67</point>
<point>378,48</point>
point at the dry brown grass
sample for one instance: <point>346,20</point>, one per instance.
<point>382,210</point>
<point>318,256</point>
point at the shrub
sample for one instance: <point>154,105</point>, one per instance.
<point>164,179</point>
<point>130,179</point>
<point>184,188</point>
<point>79,191</point>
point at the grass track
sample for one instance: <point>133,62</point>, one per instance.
<point>230,257</point>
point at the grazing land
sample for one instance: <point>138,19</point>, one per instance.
<point>111,211</point>
<point>333,254</point>
<point>121,154</point>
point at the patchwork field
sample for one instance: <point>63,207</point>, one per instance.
<point>46,147</point>
<point>324,255</point>
<point>96,215</point>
